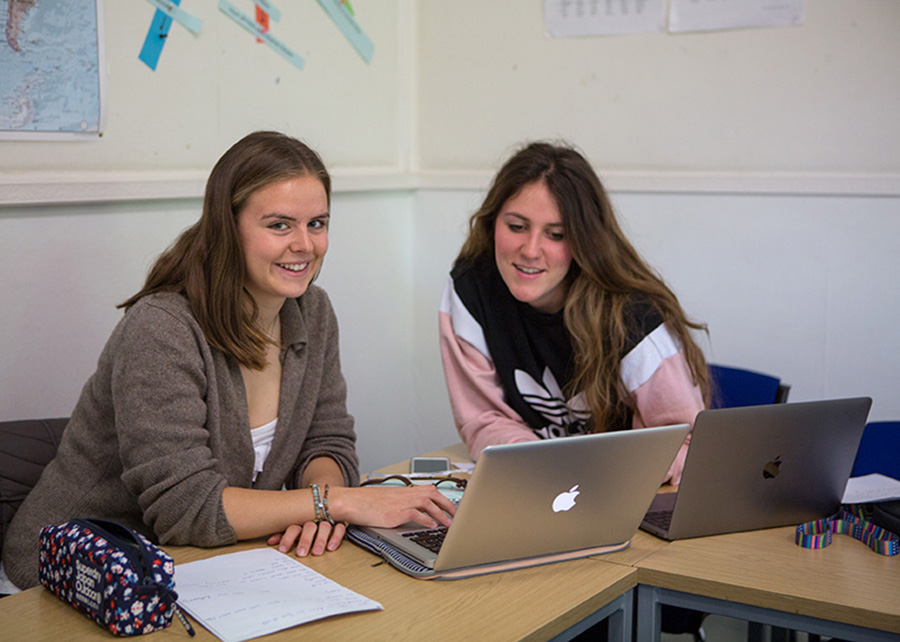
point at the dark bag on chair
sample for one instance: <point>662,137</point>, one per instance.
<point>884,514</point>
<point>26,447</point>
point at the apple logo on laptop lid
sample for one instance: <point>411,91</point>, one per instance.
<point>771,469</point>
<point>565,500</point>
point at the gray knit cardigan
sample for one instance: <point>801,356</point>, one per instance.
<point>161,428</point>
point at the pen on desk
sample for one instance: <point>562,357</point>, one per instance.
<point>184,621</point>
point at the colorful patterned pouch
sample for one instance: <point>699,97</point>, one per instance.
<point>110,573</point>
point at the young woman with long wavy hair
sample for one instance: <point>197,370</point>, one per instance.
<point>553,325</point>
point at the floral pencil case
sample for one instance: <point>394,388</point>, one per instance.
<point>112,574</point>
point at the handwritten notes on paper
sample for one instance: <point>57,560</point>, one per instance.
<point>244,595</point>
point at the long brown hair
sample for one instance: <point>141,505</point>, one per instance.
<point>206,262</point>
<point>606,279</point>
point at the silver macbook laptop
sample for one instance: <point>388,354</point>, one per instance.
<point>550,496</point>
<point>762,466</point>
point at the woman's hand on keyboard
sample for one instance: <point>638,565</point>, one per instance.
<point>390,507</point>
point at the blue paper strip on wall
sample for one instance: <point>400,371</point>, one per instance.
<point>156,38</point>
<point>345,21</point>
<point>182,17</point>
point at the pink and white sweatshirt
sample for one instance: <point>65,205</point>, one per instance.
<point>506,366</point>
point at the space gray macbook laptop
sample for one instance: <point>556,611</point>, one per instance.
<point>551,496</point>
<point>762,466</point>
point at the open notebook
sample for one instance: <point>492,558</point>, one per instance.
<point>539,502</point>
<point>762,466</point>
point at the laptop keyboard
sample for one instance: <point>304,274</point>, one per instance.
<point>430,539</point>
<point>661,519</point>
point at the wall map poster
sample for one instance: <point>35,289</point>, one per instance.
<point>51,80</point>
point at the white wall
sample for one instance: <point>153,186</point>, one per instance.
<point>65,268</point>
<point>803,287</point>
<point>438,231</point>
<point>793,275</point>
<point>368,275</point>
<point>818,97</point>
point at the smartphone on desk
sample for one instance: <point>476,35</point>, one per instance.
<point>429,465</point>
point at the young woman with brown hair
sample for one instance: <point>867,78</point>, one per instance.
<point>222,385</point>
<point>553,325</point>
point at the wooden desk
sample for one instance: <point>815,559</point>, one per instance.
<point>764,576</point>
<point>529,604</point>
<point>761,576</point>
<point>642,546</point>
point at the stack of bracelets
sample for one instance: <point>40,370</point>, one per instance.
<point>320,501</point>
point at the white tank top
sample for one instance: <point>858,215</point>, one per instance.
<point>262,444</point>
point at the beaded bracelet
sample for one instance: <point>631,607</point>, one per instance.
<point>325,507</point>
<point>318,504</point>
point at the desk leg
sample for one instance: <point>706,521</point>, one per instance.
<point>620,613</point>
<point>755,632</point>
<point>621,621</point>
<point>649,614</point>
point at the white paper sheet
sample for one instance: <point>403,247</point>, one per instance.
<point>871,488</point>
<point>244,595</point>
<point>707,15</point>
<point>566,18</point>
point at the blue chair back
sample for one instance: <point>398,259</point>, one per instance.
<point>879,450</point>
<point>734,387</point>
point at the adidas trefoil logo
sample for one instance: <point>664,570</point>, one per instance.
<point>564,418</point>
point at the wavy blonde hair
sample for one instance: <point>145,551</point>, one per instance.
<point>606,280</point>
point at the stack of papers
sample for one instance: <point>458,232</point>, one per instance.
<point>244,595</point>
<point>871,488</point>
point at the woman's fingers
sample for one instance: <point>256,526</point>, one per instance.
<point>337,536</point>
<point>308,538</point>
<point>311,538</point>
<point>434,512</point>
<point>286,540</point>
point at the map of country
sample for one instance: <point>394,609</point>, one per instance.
<point>50,67</point>
<point>17,11</point>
